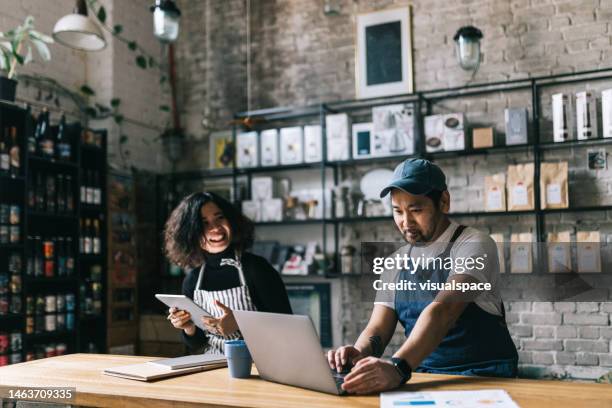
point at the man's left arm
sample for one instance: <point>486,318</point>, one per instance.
<point>374,374</point>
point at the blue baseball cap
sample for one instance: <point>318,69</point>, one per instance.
<point>416,176</point>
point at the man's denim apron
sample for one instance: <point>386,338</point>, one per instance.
<point>478,344</point>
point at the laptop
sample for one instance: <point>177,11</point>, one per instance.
<point>286,350</point>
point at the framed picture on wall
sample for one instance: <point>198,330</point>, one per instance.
<point>383,64</point>
<point>221,150</point>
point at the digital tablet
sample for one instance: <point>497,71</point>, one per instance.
<point>182,302</point>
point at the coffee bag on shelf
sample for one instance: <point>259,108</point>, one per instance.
<point>495,192</point>
<point>559,252</point>
<point>520,187</point>
<point>554,185</point>
<point>588,251</point>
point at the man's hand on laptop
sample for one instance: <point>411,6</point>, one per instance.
<point>371,375</point>
<point>344,357</point>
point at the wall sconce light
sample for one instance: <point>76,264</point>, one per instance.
<point>331,7</point>
<point>166,17</point>
<point>467,40</point>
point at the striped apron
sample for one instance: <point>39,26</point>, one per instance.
<point>237,298</point>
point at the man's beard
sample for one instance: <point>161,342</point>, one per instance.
<point>419,237</point>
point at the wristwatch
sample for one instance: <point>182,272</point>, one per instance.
<point>403,368</point>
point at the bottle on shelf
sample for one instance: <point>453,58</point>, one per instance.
<point>63,148</point>
<point>83,192</point>
<point>38,257</point>
<point>46,142</point>
<point>15,153</point>
<point>61,256</point>
<point>61,194</point>
<point>40,193</point>
<point>5,162</point>
<point>51,193</point>
<point>81,237</point>
<point>69,250</point>
<point>97,189</point>
<point>32,192</point>
<point>89,189</point>
<point>49,256</point>
<point>69,196</point>
<point>96,242</point>
<point>88,237</point>
<point>32,134</point>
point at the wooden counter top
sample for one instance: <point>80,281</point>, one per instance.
<point>216,389</point>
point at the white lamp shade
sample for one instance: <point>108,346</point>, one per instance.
<point>78,31</point>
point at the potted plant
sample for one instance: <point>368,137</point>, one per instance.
<point>16,48</point>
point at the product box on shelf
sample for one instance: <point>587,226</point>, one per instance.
<point>393,127</point>
<point>313,144</point>
<point>269,147</point>
<point>606,112</point>
<point>482,138</point>
<point>516,126</point>
<point>362,140</point>
<point>586,116</point>
<point>247,150</point>
<point>434,131</point>
<point>338,136</point>
<point>292,145</point>
<point>272,210</point>
<point>563,117</point>
<point>453,137</point>
<point>252,209</point>
<point>263,188</point>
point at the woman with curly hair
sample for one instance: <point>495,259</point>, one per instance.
<point>206,235</point>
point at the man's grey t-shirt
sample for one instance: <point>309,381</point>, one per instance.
<point>470,244</point>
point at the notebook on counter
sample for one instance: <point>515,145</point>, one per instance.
<point>154,370</point>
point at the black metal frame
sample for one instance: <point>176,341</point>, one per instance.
<point>423,102</point>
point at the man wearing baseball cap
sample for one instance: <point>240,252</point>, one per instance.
<point>447,332</point>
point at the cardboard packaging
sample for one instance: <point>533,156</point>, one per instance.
<point>263,188</point>
<point>554,185</point>
<point>563,117</point>
<point>559,252</point>
<point>501,251</point>
<point>247,150</point>
<point>393,128</point>
<point>588,251</point>
<point>338,137</point>
<point>362,140</point>
<point>482,138</point>
<point>252,209</point>
<point>453,137</point>
<point>520,187</point>
<point>521,253</point>
<point>269,147</point>
<point>313,144</point>
<point>495,192</point>
<point>434,133</point>
<point>586,116</point>
<point>272,210</point>
<point>291,145</point>
<point>516,126</point>
<point>606,112</point>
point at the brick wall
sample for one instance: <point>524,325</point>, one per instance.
<point>300,56</point>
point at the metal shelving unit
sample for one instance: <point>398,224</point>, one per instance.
<point>46,224</point>
<point>423,102</point>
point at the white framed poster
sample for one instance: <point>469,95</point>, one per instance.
<point>383,58</point>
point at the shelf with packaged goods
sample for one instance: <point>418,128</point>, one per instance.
<point>39,160</point>
<point>6,178</point>
<point>45,336</point>
<point>283,167</point>
<point>37,215</point>
<point>549,145</point>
